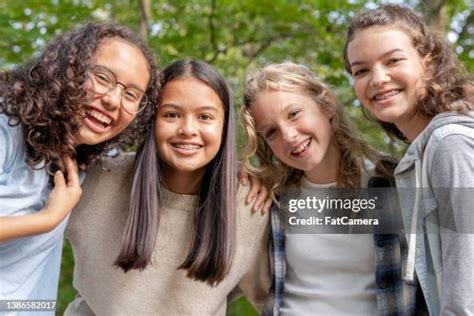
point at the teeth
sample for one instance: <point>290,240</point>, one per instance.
<point>187,146</point>
<point>301,147</point>
<point>386,95</point>
<point>99,116</point>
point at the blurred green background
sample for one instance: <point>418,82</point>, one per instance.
<point>235,36</point>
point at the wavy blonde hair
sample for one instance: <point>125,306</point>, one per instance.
<point>292,77</point>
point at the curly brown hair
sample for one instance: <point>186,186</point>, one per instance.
<point>45,96</point>
<point>446,81</point>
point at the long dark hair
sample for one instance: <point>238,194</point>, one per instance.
<point>445,82</point>
<point>46,96</point>
<point>212,245</point>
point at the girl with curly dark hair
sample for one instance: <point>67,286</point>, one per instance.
<point>92,89</point>
<point>409,79</point>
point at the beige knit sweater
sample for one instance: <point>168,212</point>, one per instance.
<point>95,232</point>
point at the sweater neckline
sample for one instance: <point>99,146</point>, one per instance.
<point>183,202</point>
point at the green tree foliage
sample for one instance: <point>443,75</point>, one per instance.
<point>235,36</point>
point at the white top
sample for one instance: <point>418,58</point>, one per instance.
<point>29,266</point>
<point>329,274</point>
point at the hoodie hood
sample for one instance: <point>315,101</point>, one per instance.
<point>417,147</point>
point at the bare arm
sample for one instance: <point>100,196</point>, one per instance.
<point>61,200</point>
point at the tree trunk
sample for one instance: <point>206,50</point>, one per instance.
<point>145,13</point>
<point>435,14</point>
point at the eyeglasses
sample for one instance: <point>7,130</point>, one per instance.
<point>133,100</point>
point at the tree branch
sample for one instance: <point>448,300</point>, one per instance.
<point>212,33</point>
<point>270,40</point>
<point>267,43</point>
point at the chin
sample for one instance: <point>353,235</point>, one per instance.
<point>387,118</point>
<point>312,165</point>
<point>187,167</point>
<point>303,167</point>
<point>384,116</point>
<point>87,139</point>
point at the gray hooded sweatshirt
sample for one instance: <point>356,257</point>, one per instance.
<point>434,180</point>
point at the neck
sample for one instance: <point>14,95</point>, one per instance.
<point>412,127</point>
<point>183,182</point>
<point>328,169</point>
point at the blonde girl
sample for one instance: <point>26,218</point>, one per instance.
<point>300,135</point>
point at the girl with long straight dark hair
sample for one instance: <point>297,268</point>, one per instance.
<point>187,230</point>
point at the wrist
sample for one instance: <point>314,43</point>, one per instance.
<point>48,219</point>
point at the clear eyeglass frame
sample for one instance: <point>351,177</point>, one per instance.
<point>104,80</point>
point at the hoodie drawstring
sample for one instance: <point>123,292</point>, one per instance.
<point>410,269</point>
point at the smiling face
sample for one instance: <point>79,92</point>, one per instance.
<point>104,117</point>
<point>388,75</point>
<point>189,127</point>
<point>298,132</point>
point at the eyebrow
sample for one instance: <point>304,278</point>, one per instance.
<point>284,109</point>
<point>356,63</point>
<point>177,107</point>
<point>137,87</point>
<point>126,86</point>
<point>131,86</point>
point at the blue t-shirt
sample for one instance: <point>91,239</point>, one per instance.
<point>29,267</point>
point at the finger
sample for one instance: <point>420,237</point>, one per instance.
<point>72,171</point>
<point>59,181</point>
<point>243,177</point>
<point>254,188</point>
<point>267,206</point>
<point>261,197</point>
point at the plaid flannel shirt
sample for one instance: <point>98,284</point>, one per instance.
<point>394,296</point>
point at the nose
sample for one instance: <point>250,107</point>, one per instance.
<point>379,76</point>
<point>113,98</point>
<point>188,128</point>
<point>289,133</point>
